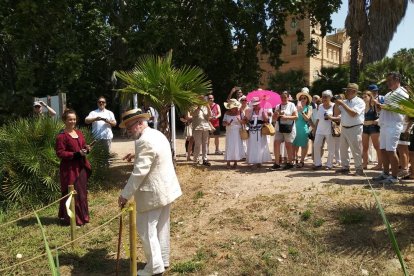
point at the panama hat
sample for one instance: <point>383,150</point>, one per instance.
<point>352,86</point>
<point>304,92</point>
<point>131,115</point>
<point>255,101</point>
<point>232,103</point>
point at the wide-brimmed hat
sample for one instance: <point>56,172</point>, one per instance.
<point>232,103</point>
<point>352,86</point>
<point>133,114</point>
<point>255,101</point>
<point>304,93</point>
<point>36,103</point>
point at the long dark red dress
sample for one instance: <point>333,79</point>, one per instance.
<point>74,169</point>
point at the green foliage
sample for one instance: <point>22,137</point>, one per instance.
<point>306,215</point>
<point>402,62</point>
<point>292,80</point>
<point>29,167</point>
<point>54,267</point>
<point>75,46</point>
<point>187,267</point>
<point>332,78</point>
<point>163,84</point>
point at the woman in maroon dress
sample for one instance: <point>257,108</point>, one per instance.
<point>75,169</point>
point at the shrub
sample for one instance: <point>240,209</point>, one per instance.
<point>29,167</point>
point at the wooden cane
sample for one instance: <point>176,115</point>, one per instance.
<point>119,245</point>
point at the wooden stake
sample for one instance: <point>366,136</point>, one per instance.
<point>73,218</point>
<point>133,238</point>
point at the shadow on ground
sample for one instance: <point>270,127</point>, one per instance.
<point>95,262</point>
<point>361,231</point>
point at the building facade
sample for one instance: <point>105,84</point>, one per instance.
<point>334,51</point>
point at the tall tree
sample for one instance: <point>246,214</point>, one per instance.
<point>371,25</point>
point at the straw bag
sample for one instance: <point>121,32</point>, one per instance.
<point>244,133</point>
<point>336,129</point>
<point>268,129</point>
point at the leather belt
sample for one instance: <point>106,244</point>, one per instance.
<point>352,126</point>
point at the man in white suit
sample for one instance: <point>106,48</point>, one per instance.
<point>154,185</point>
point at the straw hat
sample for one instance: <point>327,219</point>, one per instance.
<point>352,86</point>
<point>232,103</point>
<point>131,115</point>
<point>304,92</point>
<point>255,101</point>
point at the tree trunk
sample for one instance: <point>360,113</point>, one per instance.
<point>164,125</point>
<point>354,64</point>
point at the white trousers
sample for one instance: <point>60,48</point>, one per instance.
<point>317,149</point>
<point>351,138</point>
<point>154,230</point>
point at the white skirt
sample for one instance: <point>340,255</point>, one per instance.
<point>257,148</point>
<point>234,144</point>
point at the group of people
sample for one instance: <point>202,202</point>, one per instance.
<point>352,124</point>
<point>345,123</point>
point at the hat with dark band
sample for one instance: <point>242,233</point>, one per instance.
<point>131,115</point>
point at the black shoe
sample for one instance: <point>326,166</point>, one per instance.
<point>275,167</point>
<point>288,166</point>
<point>206,163</point>
<point>343,171</point>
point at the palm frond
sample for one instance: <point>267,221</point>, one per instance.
<point>402,105</point>
<point>163,85</point>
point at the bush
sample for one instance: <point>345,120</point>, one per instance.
<point>29,167</point>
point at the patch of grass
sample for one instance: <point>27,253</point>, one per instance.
<point>352,217</point>
<point>318,222</point>
<point>199,195</point>
<point>187,267</point>
<point>306,215</point>
<point>293,252</point>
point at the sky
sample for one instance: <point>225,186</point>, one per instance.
<point>402,38</point>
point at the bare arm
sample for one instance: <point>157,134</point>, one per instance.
<point>50,110</point>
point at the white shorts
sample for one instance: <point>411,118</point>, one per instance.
<point>389,137</point>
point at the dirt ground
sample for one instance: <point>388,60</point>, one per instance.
<point>248,221</point>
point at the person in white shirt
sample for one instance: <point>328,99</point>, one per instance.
<point>102,121</point>
<point>352,119</point>
<point>391,125</point>
<point>323,131</point>
<point>285,116</point>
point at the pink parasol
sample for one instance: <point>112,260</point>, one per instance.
<point>268,98</point>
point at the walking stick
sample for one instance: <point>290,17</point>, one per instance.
<point>119,245</point>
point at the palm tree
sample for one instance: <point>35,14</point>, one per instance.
<point>162,84</point>
<point>371,25</point>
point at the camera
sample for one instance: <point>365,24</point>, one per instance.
<point>336,97</point>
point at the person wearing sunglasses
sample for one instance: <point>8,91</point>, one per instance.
<point>102,120</point>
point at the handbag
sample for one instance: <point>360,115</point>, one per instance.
<point>268,129</point>
<point>336,129</point>
<point>284,128</point>
<point>244,133</point>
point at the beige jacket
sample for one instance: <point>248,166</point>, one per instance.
<point>153,181</point>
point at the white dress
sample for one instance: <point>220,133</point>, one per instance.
<point>234,145</point>
<point>257,147</point>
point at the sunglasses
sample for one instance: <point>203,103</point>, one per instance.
<point>211,98</point>
<point>37,106</point>
<point>101,102</point>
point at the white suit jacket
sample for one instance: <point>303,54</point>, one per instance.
<point>153,181</point>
